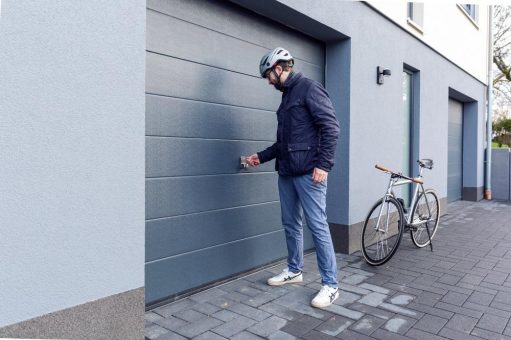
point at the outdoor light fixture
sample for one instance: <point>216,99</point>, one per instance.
<point>380,73</point>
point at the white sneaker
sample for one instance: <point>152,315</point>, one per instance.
<point>326,296</point>
<point>285,277</point>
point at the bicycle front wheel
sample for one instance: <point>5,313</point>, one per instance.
<point>425,217</point>
<point>383,229</point>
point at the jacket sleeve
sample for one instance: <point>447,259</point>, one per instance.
<point>323,114</point>
<point>268,154</point>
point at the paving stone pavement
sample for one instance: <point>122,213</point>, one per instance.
<point>462,290</point>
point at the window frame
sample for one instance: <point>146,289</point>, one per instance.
<point>471,12</point>
<point>410,17</point>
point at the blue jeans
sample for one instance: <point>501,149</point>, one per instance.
<point>299,196</point>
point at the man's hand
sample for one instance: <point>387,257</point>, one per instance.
<point>319,176</point>
<point>253,160</point>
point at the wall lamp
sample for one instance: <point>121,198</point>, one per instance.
<point>380,73</point>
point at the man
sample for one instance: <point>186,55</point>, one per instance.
<point>307,135</point>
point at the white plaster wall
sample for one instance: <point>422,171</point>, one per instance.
<point>448,30</point>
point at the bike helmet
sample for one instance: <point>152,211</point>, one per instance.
<point>271,58</point>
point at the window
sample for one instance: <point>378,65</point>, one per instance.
<point>416,15</point>
<point>471,11</point>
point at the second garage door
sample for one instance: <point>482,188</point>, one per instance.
<point>205,106</point>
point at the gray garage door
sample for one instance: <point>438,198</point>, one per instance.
<point>205,106</point>
<point>455,154</point>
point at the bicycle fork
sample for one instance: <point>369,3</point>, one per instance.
<point>387,194</point>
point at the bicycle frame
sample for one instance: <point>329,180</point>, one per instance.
<point>394,182</point>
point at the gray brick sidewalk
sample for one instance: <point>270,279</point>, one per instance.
<point>460,291</point>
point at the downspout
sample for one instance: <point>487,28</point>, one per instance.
<point>489,118</point>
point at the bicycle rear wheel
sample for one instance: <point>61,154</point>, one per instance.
<point>383,229</point>
<point>425,217</point>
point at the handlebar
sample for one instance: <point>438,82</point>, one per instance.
<point>384,169</point>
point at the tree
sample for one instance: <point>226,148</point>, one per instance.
<point>502,131</point>
<point>502,59</point>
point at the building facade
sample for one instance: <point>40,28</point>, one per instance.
<point>207,220</point>
<point>205,109</point>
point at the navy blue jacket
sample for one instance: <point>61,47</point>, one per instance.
<point>307,129</point>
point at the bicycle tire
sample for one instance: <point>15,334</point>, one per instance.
<point>419,234</point>
<point>372,243</point>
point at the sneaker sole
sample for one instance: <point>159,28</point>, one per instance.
<point>319,305</point>
<point>297,279</point>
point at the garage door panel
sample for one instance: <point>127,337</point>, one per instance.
<point>212,264</point>
<point>167,197</point>
<point>166,116</point>
<point>313,72</point>
<point>228,19</point>
<point>176,38</point>
<point>205,106</point>
<point>455,172</point>
<point>453,193</point>
<point>181,234</point>
<point>180,39</point>
<point>169,156</point>
<point>179,78</point>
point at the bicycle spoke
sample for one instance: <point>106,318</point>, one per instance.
<point>382,232</point>
<point>427,212</point>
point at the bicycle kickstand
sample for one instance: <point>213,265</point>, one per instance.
<point>429,236</point>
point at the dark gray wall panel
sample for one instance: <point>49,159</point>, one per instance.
<point>177,38</point>
<point>170,156</point>
<point>338,83</point>
<point>231,20</point>
<point>175,117</point>
<point>500,173</point>
<point>167,197</point>
<point>179,78</point>
<point>181,234</point>
<point>178,273</point>
<point>455,151</point>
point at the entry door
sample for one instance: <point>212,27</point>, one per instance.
<point>455,152</point>
<point>406,137</point>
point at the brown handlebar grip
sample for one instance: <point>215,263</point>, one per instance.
<point>382,168</point>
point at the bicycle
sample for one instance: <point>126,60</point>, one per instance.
<point>388,218</point>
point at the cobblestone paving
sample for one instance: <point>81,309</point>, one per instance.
<point>462,290</point>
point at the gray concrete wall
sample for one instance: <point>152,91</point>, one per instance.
<point>118,316</point>
<point>72,151</point>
